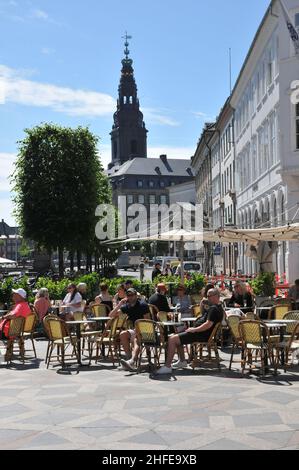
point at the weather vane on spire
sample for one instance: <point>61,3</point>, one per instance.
<point>126,51</point>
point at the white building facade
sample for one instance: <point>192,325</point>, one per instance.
<point>266,138</point>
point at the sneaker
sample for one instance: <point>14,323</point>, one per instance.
<point>128,365</point>
<point>179,365</point>
<point>164,370</point>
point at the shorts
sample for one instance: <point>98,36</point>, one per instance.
<point>132,335</point>
<point>189,338</point>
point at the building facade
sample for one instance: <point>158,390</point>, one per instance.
<point>134,178</point>
<point>266,143</point>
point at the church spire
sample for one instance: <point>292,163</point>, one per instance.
<point>128,134</point>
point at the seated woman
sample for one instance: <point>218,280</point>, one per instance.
<point>183,302</point>
<point>20,308</point>
<point>104,297</point>
<point>120,294</point>
<point>72,300</point>
<point>241,298</point>
<point>42,304</point>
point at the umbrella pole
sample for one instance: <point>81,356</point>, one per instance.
<point>181,256</point>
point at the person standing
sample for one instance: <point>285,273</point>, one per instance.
<point>156,271</point>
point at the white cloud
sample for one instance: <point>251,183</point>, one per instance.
<point>6,209</point>
<point>39,14</point>
<point>203,116</point>
<point>73,102</point>
<point>154,116</point>
<point>47,50</point>
<point>16,88</point>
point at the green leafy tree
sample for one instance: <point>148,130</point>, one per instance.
<point>59,181</point>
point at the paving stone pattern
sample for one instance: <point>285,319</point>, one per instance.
<point>100,407</point>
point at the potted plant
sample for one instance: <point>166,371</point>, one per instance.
<point>263,287</point>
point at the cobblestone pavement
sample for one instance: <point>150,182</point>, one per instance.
<point>100,407</point>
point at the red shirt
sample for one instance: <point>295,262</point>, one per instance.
<point>21,309</point>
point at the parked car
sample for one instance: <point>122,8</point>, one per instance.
<point>128,260</point>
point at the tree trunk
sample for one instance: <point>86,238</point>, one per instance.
<point>78,260</point>
<point>60,258</point>
<point>89,262</point>
<point>71,261</point>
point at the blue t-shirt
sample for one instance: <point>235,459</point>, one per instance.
<point>135,312</point>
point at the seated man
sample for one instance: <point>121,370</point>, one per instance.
<point>159,298</point>
<point>241,298</point>
<point>135,309</point>
<point>201,332</point>
<point>21,309</point>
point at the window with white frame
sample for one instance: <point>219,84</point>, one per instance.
<point>163,199</point>
<point>297,126</point>
<point>270,67</point>
<point>272,131</point>
<point>266,145</point>
<point>130,199</point>
<point>152,199</point>
<point>254,159</point>
<point>141,199</point>
<point>139,184</point>
<point>261,160</point>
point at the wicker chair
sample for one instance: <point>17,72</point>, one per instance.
<point>109,337</point>
<point>196,310</point>
<point>100,310</point>
<point>254,335</point>
<point>29,328</point>
<point>233,323</point>
<point>286,347</point>
<point>58,337</point>
<point>277,312</point>
<point>149,336</point>
<point>210,345</point>
<point>15,333</point>
<point>153,311</point>
<point>163,316</point>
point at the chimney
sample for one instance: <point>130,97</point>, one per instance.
<point>164,159</point>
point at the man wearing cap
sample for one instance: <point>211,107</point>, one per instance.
<point>157,271</point>
<point>135,309</point>
<point>159,298</point>
<point>21,309</point>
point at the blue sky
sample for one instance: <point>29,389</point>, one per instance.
<point>60,61</point>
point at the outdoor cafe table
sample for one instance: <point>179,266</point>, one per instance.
<point>262,309</point>
<point>281,326</point>
<point>78,324</point>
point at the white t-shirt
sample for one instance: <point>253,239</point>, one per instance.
<point>76,300</point>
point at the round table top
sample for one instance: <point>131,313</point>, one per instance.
<point>188,319</point>
<point>99,318</point>
<point>172,323</point>
<point>281,321</point>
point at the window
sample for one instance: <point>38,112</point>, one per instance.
<point>163,199</point>
<point>150,184</point>
<point>162,184</point>
<point>130,199</point>
<point>270,68</point>
<point>297,126</point>
<point>152,199</point>
<point>297,20</point>
<point>139,184</point>
<point>140,199</point>
<point>272,130</point>
<point>254,160</point>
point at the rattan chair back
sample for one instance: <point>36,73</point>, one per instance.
<point>196,310</point>
<point>163,316</point>
<point>100,310</point>
<point>55,328</point>
<point>279,311</point>
<point>16,326</point>
<point>233,323</point>
<point>252,331</point>
<point>30,323</point>
<point>146,332</point>
<point>153,311</point>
